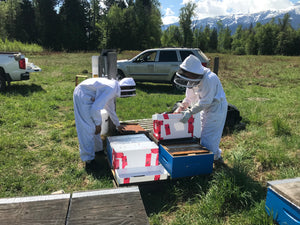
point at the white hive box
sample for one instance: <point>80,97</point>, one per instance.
<point>134,158</point>
<point>141,174</point>
<point>168,126</point>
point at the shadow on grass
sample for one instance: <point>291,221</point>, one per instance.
<point>151,88</point>
<point>102,169</point>
<point>23,89</point>
<point>168,196</point>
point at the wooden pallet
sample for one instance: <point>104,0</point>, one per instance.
<point>109,206</point>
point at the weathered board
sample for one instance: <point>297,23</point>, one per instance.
<point>185,149</point>
<point>109,207</point>
<point>50,209</point>
<point>146,124</point>
<point>289,188</point>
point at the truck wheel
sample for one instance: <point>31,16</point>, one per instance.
<point>2,82</point>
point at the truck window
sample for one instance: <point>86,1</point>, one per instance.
<point>147,57</point>
<point>168,56</point>
<point>184,54</point>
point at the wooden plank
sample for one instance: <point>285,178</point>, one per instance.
<point>109,207</point>
<point>190,152</point>
<point>147,124</point>
<point>133,128</point>
<point>288,188</point>
<point>50,209</point>
<point>183,149</point>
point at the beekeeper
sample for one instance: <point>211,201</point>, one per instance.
<point>89,97</point>
<point>205,94</point>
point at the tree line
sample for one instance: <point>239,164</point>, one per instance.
<point>77,25</point>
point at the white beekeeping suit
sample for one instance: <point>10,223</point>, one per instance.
<point>89,97</point>
<point>206,95</point>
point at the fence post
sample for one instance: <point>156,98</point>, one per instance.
<point>216,65</point>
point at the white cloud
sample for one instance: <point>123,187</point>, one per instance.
<point>169,12</point>
<point>169,17</point>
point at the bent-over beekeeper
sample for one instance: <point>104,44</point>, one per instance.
<point>89,97</point>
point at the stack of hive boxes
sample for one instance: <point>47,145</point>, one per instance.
<point>179,149</point>
<point>134,158</point>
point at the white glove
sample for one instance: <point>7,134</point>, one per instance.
<point>187,114</point>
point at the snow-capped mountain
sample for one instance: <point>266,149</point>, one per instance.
<point>233,21</point>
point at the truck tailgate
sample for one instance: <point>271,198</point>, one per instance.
<point>30,67</point>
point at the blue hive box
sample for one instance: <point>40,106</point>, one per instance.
<point>283,201</point>
<point>185,160</point>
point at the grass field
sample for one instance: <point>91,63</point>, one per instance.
<point>39,148</point>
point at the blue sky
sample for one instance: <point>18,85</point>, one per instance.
<point>170,9</point>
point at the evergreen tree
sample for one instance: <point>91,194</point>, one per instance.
<point>185,21</point>
<point>148,23</point>
<point>115,21</point>
<point>171,37</point>
<point>12,8</point>
<point>224,38</point>
<point>238,42</point>
<point>201,38</point>
<point>265,38</point>
<point>213,40</point>
<point>74,25</point>
<point>3,13</point>
<point>25,24</point>
<point>206,34</point>
<point>286,37</point>
<point>251,44</point>
<point>129,30</point>
<point>47,24</point>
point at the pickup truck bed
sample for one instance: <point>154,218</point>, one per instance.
<point>14,67</point>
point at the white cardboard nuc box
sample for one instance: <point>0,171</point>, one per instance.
<point>134,158</point>
<point>168,126</point>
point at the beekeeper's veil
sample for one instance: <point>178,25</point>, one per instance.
<point>127,86</point>
<point>190,72</point>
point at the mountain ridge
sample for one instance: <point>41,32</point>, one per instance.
<point>234,20</point>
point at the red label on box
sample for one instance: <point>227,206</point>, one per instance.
<point>154,150</point>
<point>126,180</point>
<point>124,162</point>
<point>148,160</point>
<point>116,157</point>
<point>167,128</point>
<point>166,116</point>
<point>157,129</point>
<point>157,177</point>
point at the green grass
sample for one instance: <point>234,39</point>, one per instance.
<point>39,148</point>
<point>17,46</point>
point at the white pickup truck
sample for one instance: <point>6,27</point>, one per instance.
<point>14,67</point>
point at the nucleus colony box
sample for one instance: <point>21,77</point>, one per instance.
<point>134,158</point>
<point>179,150</point>
<point>185,159</point>
<point>167,126</point>
<point>283,201</point>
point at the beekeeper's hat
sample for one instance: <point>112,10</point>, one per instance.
<point>193,65</point>
<point>127,86</point>
<point>190,72</point>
